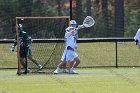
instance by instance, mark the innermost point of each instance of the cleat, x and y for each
(72, 71)
(39, 71)
(28, 70)
(39, 67)
(56, 71)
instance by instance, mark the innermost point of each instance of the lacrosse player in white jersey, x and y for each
(71, 37)
(69, 55)
(28, 41)
(137, 38)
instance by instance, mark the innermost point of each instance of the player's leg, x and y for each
(62, 64)
(64, 67)
(70, 65)
(70, 56)
(23, 60)
(33, 60)
(65, 62)
(59, 66)
(77, 62)
(23, 63)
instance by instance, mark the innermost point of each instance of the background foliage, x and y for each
(114, 18)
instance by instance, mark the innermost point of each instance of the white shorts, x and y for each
(70, 55)
(63, 58)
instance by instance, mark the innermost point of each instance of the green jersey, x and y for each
(23, 43)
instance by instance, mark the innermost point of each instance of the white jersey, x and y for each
(137, 36)
(71, 37)
(70, 40)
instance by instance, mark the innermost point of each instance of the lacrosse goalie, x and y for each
(69, 55)
(71, 36)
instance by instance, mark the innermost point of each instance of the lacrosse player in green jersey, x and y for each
(25, 42)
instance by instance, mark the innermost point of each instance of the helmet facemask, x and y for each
(73, 23)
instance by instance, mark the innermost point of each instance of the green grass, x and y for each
(91, 54)
(97, 80)
(7, 58)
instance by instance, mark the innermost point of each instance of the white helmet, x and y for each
(73, 23)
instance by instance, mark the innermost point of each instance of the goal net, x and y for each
(43, 31)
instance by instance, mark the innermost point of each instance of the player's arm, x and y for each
(29, 42)
(14, 45)
(81, 26)
(69, 32)
(25, 35)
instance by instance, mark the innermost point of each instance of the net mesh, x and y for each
(95, 53)
(48, 54)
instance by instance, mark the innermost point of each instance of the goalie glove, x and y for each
(12, 48)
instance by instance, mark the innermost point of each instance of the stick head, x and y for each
(89, 21)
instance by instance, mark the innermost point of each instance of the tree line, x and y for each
(114, 18)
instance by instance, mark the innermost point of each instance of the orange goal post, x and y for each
(42, 30)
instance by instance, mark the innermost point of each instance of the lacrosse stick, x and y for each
(88, 22)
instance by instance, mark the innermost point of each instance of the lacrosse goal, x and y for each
(43, 30)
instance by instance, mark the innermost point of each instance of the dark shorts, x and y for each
(23, 52)
(29, 52)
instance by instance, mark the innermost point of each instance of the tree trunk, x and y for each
(119, 18)
(59, 7)
(78, 11)
(25, 7)
(88, 7)
(105, 16)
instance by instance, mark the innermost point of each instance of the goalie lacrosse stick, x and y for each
(88, 22)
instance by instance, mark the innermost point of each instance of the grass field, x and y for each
(96, 80)
(91, 80)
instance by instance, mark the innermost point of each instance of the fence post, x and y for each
(116, 54)
(70, 9)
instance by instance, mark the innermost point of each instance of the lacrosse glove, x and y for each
(12, 48)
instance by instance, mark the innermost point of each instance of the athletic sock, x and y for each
(57, 68)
